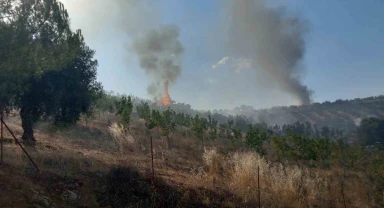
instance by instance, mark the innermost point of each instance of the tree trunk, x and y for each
(27, 124)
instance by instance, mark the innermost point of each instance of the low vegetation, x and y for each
(114, 166)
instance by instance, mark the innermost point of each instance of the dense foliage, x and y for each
(34, 38)
(371, 131)
(124, 109)
(46, 69)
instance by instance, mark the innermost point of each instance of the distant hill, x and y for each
(341, 114)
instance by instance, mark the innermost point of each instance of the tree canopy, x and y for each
(34, 37)
(61, 94)
(45, 68)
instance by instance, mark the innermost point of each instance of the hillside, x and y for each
(341, 114)
(85, 167)
(93, 165)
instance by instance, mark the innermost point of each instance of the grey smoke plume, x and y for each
(159, 53)
(273, 41)
(157, 47)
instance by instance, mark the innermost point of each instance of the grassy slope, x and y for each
(79, 167)
(83, 167)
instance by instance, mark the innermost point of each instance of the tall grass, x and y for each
(281, 185)
(285, 184)
(122, 138)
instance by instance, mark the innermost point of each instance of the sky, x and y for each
(343, 59)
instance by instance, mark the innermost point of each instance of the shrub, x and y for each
(214, 161)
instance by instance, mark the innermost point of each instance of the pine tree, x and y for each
(126, 111)
(255, 139)
(212, 124)
(168, 124)
(144, 111)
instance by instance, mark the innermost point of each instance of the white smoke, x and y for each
(357, 121)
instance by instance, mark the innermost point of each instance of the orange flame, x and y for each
(166, 99)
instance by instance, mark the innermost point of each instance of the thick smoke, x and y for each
(159, 53)
(156, 45)
(272, 40)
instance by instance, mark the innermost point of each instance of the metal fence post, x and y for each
(1, 139)
(17, 141)
(258, 186)
(153, 168)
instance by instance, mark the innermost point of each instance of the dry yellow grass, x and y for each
(98, 147)
(123, 139)
(287, 186)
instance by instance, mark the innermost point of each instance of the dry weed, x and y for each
(123, 139)
(210, 156)
(214, 162)
(292, 185)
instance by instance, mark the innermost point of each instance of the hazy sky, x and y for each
(344, 51)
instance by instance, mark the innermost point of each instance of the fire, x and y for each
(166, 101)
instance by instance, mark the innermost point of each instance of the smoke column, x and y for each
(156, 45)
(272, 40)
(159, 53)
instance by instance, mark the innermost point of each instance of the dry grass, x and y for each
(286, 186)
(190, 174)
(123, 139)
(215, 164)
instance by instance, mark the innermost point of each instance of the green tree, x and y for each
(232, 132)
(180, 120)
(187, 121)
(168, 124)
(199, 126)
(36, 42)
(255, 139)
(157, 119)
(371, 131)
(323, 150)
(237, 135)
(144, 111)
(35, 37)
(106, 102)
(126, 111)
(212, 126)
(229, 133)
(120, 105)
(213, 133)
(63, 94)
(222, 130)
